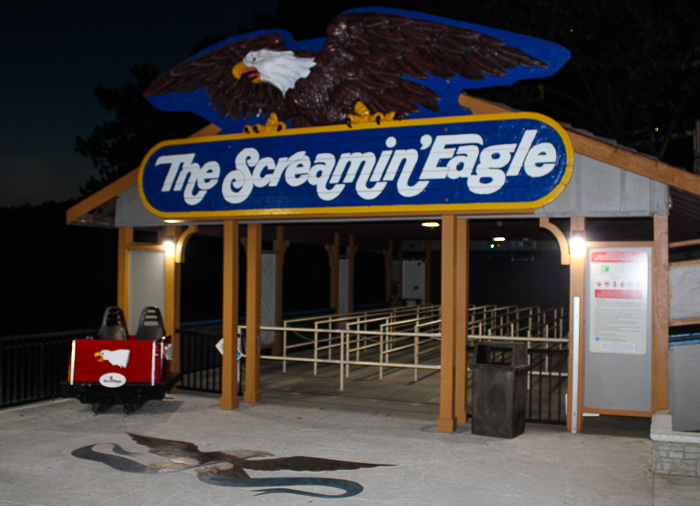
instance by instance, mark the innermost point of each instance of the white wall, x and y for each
(146, 284)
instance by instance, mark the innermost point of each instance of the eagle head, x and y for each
(282, 69)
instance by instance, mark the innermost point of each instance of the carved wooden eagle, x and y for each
(383, 60)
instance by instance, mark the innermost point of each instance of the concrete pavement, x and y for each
(608, 464)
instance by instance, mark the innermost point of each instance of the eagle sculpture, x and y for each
(375, 64)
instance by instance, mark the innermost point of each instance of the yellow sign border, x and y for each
(387, 210)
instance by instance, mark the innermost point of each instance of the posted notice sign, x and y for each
(618, 300)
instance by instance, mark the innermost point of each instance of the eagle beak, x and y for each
(240, 69)
(99, 356)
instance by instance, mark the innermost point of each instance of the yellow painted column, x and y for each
(229, 366)
(448, 421)
(461, 319)
(661, 315)
(252, 318)
(577, 288)
(171, 311)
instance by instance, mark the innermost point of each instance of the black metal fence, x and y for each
(32, 366)
(200, 361)
(547, 385)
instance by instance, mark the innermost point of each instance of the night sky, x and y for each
(55, 53)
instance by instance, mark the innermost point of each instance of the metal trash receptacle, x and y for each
(499, 379)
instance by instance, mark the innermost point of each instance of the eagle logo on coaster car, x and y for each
(118, 358)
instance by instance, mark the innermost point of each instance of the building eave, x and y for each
(606, 150)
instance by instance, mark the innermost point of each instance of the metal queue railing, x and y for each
(391, 331)
(409, 337)
(405, 338)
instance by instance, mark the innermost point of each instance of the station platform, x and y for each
(58, 453)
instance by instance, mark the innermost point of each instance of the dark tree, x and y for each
(633, 75)
(58, 277)
(117, 146)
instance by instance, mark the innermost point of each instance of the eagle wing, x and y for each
(170, 448)
(211, 71)
(368, 56)
(301, 464)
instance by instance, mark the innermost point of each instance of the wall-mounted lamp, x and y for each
(577, 243)
(169, 246)
(498, 239)
(430, 224)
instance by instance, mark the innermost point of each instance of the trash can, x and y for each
(499, 379)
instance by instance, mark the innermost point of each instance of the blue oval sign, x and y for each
(437, 165)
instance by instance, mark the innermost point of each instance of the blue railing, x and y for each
(32, 366)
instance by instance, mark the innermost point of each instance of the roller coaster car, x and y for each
(116, 368)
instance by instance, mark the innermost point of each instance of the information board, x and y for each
(618, 288)
(618, 312)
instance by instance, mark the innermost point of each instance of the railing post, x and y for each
(284, 348)
(342, 360)
(315, 347)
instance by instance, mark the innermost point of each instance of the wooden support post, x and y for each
(126, 237)
(229, 367)
(171, 309)
(461, 319)
(334, 263)
(350, 252)
(561, 240)
(577, 288)
(448, 421)
(399, 281)
(279, 247)
(660, 315)
(428, 268)
(388, 270)
(173, 284)
(252, 318)
(174, 322)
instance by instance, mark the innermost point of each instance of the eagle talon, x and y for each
(273, 125)
(362, 114)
